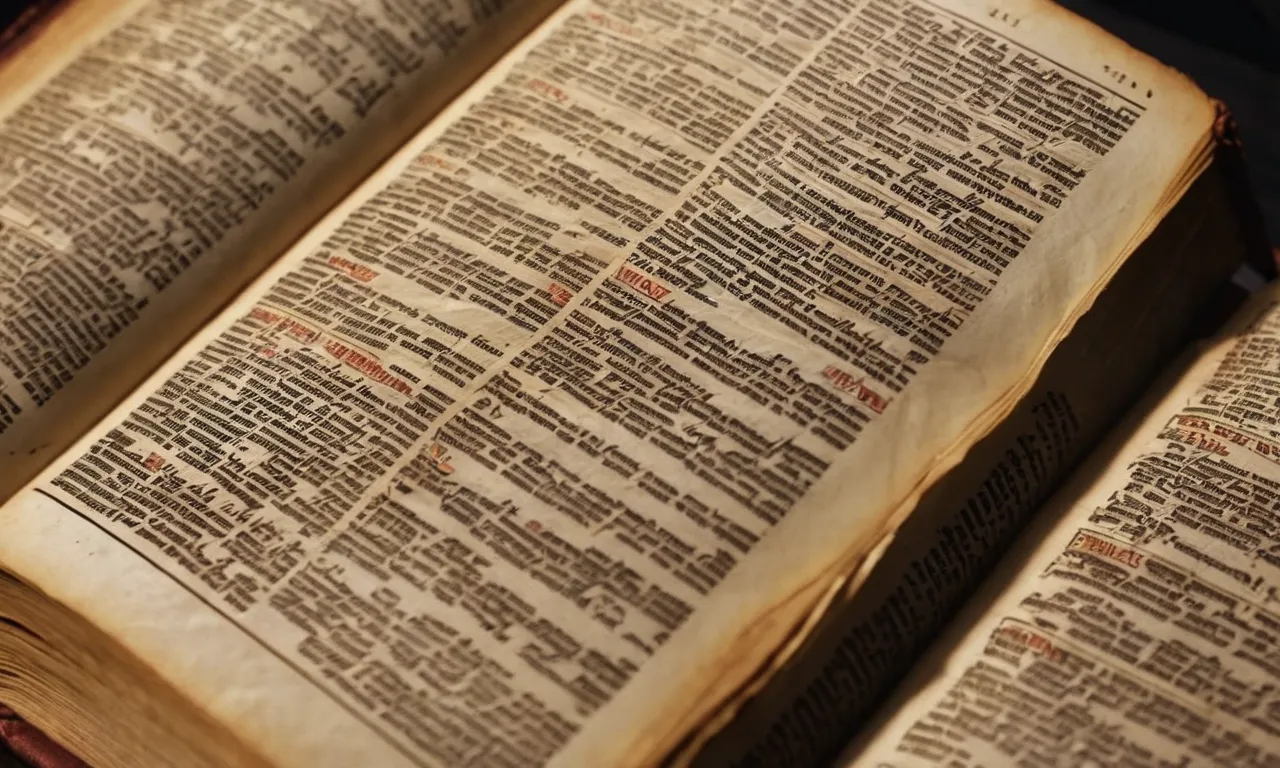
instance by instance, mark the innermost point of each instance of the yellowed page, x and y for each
(156, 156)
(612, 374)
(964, 524)
(1135, 625)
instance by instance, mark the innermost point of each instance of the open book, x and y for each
(436, 382)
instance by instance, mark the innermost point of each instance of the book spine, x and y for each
(1229, 154)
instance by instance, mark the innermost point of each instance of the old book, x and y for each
(430, 382)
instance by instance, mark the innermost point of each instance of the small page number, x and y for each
(1004, 18)
(1120, 78)
(1123, 78)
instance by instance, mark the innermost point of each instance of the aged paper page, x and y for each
(553, 434)
(151, 174)
(1137, 626)
(966, 522)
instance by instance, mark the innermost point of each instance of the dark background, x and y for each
(1230, 47)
